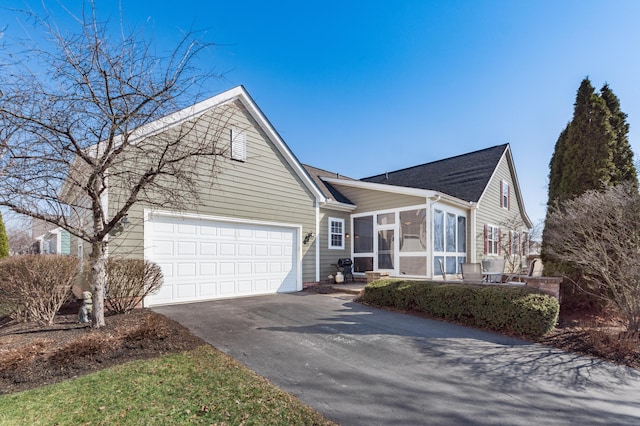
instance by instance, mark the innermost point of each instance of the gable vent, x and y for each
(238, 145)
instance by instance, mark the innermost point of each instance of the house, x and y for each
(50, 239)
(265, 223)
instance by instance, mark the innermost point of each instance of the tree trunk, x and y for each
(98, 262)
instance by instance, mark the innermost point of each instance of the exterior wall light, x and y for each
(307, 237)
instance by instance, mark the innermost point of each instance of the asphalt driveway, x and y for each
(364, 366)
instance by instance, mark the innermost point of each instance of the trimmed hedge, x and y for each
(520, 310)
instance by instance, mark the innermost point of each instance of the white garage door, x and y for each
(203, 260)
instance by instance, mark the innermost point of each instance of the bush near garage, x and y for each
(34, 287)
(129, 281)
(518, 310)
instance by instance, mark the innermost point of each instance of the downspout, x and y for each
(316, 241)
(472, 235)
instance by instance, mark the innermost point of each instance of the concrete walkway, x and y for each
(364, 366)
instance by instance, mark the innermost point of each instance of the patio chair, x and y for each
(471, 272)
(493, 270)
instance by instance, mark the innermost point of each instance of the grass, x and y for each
(201, 386)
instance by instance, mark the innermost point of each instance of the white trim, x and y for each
(403, 190)
(396, 227)
(150, 215)
(472, 234)
(497, 240)
(317, 243)
(330, 246)
(336, 205)
(504, 185)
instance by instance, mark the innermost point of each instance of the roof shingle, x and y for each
(464, 176)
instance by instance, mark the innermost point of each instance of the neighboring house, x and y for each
(265, 223)
(49, 238)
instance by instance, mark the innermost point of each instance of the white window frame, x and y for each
(515, 242)
(331, 245)
(493, 240)
(238, 145)
(504, 196)
(457, 253)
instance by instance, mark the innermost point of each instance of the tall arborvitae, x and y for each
(4, 241)
(592, 152)
(625, 170)
(587, 161)
(556, 166)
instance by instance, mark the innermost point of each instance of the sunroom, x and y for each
(425, 235)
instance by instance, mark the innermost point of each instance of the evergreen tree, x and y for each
(556, 165)
(592, 152)
(625, 170)
(4, 240)
(587, 162)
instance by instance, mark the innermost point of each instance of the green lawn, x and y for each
(201, 386)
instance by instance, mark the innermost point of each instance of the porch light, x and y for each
(347, 235)
(120, 226)
(307, 237)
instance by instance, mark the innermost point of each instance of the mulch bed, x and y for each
(32, 355)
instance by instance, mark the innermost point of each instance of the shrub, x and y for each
(519, 310)
(129, 281)
(34, 287)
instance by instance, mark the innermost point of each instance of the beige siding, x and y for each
(490, 212)
(368, 200)
(264, 188)
(330, 256)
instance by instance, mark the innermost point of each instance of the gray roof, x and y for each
(326, 188)
(464, 176)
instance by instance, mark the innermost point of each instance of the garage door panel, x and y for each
(187, 229)
(245, 249)
(227, 287)
(244, 268)
(275, 250)
(186, 290)
(208, 230)
(203, 260)
(186, 248)
(208, 249)
(207, 268)
(163, 248)
(208, 289)
(227, 268)
(227, 249)
(186, 270)
(261, 250)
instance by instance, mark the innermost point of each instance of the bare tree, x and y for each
(81, 113)
(598, 234)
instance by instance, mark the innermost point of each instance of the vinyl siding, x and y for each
(490, 212)
(264, 188)
(330, 256)
(65, 242)
(369, 200)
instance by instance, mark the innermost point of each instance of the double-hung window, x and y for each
(492, 240)
(336, 233)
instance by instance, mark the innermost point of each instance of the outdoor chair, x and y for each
(471, 272)
(493, 270)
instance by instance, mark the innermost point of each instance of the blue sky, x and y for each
(364, 87)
